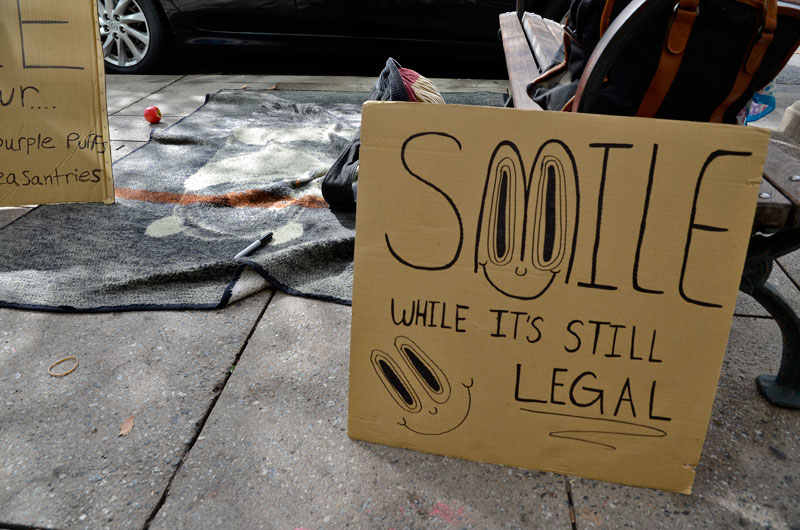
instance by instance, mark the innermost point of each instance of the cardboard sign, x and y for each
(547, 290)
(53, 120)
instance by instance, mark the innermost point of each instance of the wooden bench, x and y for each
(530, 43)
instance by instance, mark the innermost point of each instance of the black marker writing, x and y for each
(693, 225)
(16, 95)
(429, 314)
(600, 195)
(27, 47)
(91, 141)
(26, 144)
(440, 192)
(612, 340)
(553, 392)
(643, 225)
(527, 224)
(27, 177)
(515, 324)
(592, 429)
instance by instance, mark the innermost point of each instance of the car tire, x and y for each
(134, 35)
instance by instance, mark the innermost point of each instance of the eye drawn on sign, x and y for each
(429, 404)
(528, 224)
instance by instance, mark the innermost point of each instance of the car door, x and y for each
(240, 16)
(456, 20)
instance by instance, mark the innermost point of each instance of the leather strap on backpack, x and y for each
(752, 61)
(671, 56)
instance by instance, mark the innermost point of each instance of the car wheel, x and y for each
(134, 35)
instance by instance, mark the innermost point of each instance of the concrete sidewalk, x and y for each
(264, 445)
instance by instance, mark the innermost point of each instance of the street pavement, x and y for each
(240, 414)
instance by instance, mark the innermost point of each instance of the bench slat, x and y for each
(522, 68)
(556, 29)
(773, 209)
(543, 42)
(785, 143)
(778, 170)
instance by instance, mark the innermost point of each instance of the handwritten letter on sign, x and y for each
(547, 290)
(53, 121)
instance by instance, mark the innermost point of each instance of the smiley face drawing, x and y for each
(430, 406)
(528, 223)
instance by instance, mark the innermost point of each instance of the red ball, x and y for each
(152, 114)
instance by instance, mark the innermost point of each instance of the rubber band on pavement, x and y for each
(62, 374)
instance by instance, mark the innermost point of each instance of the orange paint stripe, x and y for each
(239, 199)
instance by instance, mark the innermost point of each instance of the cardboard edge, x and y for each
(685, 490)
(580, 116)
(108, 184)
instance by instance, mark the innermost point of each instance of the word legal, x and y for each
(583, 396)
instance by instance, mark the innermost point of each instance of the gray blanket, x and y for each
(188, 201)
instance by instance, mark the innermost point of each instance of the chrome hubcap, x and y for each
(123, 31)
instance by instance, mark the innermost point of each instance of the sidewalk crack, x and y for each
(14, 526)
(786, 272)
(181, 78)
(202, 423)
(572, 518)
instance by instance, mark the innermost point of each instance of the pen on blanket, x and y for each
(263, 240)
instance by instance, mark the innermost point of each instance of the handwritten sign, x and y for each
(547, 290)
(53, 119)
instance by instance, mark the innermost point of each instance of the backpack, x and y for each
(395, 83)
(698, 60)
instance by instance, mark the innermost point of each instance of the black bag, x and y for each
(340, 184)
(699, 60)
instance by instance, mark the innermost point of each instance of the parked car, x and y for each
(139, 35)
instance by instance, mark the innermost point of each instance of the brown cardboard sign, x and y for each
(546, 290)
(53, 120)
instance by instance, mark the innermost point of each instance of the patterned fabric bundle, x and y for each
(761, 104)
(395, 83)
(419, 89)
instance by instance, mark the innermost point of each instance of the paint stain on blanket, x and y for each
(166, 226)
(264, 155)
(286, 233)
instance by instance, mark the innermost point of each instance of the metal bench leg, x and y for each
(782, 389)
